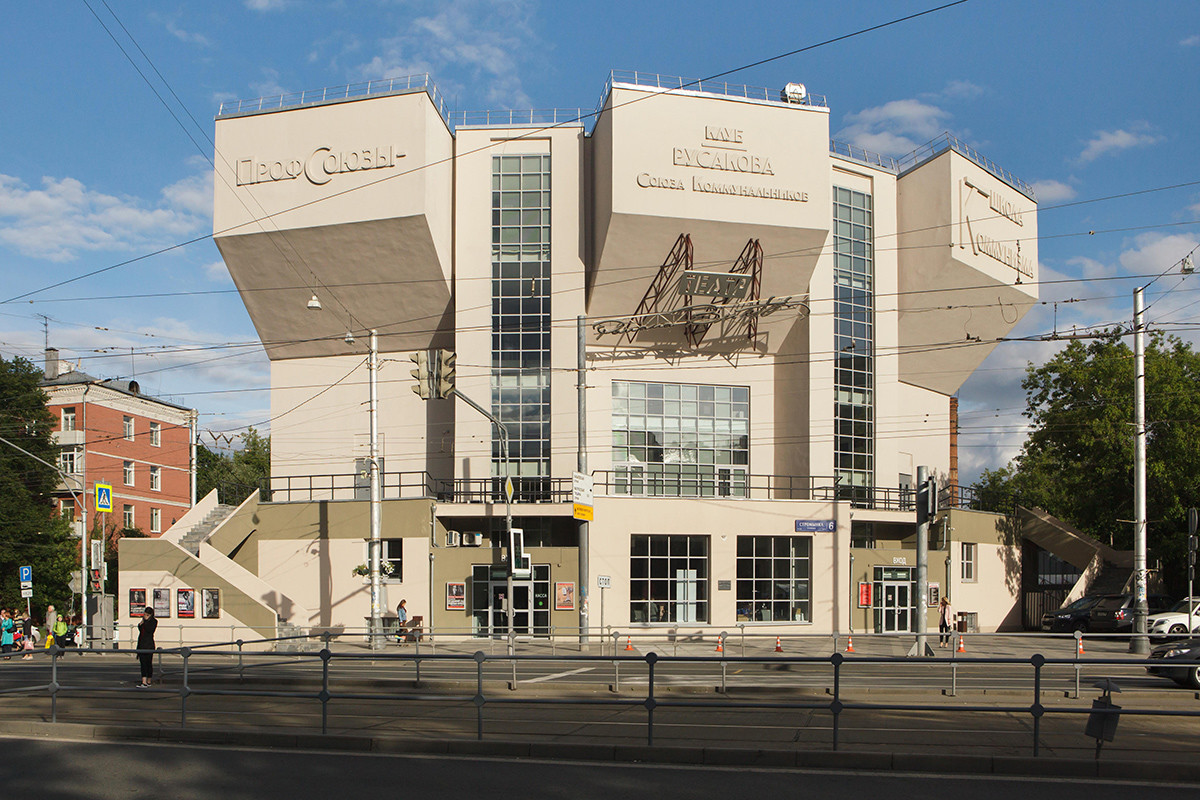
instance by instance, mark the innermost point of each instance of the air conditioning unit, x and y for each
(472, 539)
(452, 538)
(794, 93)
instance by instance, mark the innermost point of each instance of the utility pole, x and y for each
(376, 505)
(926, 509)
(581, 424)
(1139, 643)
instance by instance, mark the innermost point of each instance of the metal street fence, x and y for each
(328, 678)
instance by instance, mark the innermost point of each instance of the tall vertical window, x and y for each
(127, 471)
(680, 440)
(127, 516)
(156, 520)
(70, 460)
(668, 578)
(156, 478)
(156, 434)
(967, 570)
(521, 315)
(128, 426)
(68, 419)
(774, 578)
(392, 556)
(854, 341)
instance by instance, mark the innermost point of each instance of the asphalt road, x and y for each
(103, 771)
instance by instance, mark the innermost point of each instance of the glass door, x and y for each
(893, 600)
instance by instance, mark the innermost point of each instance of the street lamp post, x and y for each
(1139, 643)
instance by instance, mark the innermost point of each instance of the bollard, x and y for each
(323, 695)
(241, 664)
(183, 689)
(54, 650)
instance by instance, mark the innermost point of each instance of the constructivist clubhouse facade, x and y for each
(771, 328)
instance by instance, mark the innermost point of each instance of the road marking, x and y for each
(558, 675)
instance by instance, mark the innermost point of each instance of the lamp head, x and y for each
(314, 304)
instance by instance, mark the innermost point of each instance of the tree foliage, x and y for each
(237, 475)
(32, 533)
(1077, 462)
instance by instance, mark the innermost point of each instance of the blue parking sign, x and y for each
(26, 574)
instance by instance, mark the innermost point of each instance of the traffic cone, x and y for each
(1079, 648)
(961, 648)
(628, 643)
(849, 644)
(778, 645)
(720, 647)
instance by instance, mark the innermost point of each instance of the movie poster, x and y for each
(456, 596)
(137, 602)
(212, 603)
(185, 603)
(162, 603)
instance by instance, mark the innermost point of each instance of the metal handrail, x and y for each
(618, 483)
(863, 156)
(336, 94)
(514, 117)
(837, 704)
(718, 87)
(947, 141)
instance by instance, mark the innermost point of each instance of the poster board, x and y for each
(564, 596)
(162, 603)
(456, 596)
(137, 602)
(185, 603)
(211, 599)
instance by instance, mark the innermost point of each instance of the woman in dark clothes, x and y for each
(146, 642)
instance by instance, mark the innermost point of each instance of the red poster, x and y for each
(864, 595)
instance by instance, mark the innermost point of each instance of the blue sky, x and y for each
(1085, 100)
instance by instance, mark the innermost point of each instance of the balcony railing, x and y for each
(623, 483)
(947, 141)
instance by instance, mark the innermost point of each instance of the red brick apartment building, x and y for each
(110, 433)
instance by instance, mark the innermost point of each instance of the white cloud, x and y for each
(1191, 41)
(960, 89)
(64, 218)
(193, 194)
(466, 43)
(266, 5)
(187, 36)
(1105, 142)
(1153, 253)
(890, 128)
(216, 271)
(1051, 191)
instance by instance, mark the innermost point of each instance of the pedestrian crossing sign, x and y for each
(103, 497)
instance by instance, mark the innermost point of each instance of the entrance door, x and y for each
(893, 599)
(521, 607)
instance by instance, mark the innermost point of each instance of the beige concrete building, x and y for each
(772, 326)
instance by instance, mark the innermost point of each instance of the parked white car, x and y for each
(1175, 621)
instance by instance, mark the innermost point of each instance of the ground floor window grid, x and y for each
(668, 578)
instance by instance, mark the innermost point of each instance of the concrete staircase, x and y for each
(1112, 579)
(191, 540)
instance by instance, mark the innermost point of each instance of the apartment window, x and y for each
(127, 469)
(156, 520)
(68, 419)
(854, 342)
(774, 575)
(68, 510)
(128, 422)
(127, 515)
(70, 460)
(521, 298)
(156, 434)
(967, 571)
(156, 478)
(680, 439)
(668, 578)
(392, 555)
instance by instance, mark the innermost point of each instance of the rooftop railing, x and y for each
(352, 91)
(863, 156)
(948, 141)
(654, 80)
(513, 117)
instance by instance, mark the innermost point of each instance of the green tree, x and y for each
(1077, 462)
(236, 475)
(31, 531)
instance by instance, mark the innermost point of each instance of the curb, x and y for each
(940, 763)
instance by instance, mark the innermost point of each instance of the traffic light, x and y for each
(445, 373)
(927, 497)
(94, 577)
(421, 373)
(1192, 520)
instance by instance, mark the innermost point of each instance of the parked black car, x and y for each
(1168, 657)
(1075, 617)
(1115, 614)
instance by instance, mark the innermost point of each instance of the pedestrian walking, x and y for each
(27, 640)
(51, 621)
(401, 620)
(145, 644)
(945, 622)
